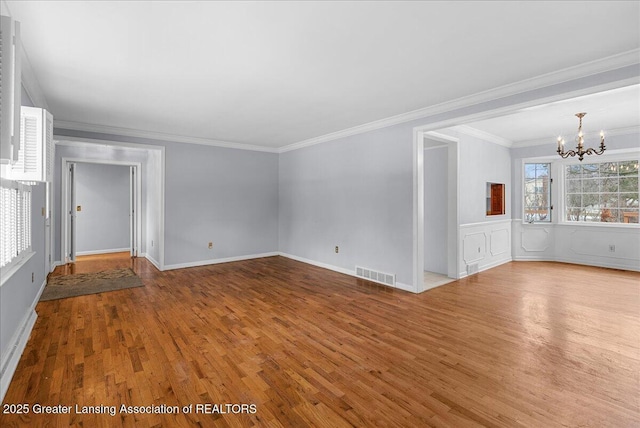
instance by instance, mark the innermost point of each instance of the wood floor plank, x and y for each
(521, 345)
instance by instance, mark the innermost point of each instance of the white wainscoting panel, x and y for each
(474, 247)
(486, 244)
(613, 246)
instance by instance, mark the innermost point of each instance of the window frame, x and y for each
(626, 157)
(551, 163)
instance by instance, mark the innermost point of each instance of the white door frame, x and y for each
(453, 202)
(431, 130)
(67, 240)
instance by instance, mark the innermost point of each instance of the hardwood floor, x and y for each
(526, 344)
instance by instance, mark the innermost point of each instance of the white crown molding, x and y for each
(136, 133)
(588, 135)
(482, 135)
(576, 72)
(580, 71)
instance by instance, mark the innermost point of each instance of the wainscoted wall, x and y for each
(610, 246)
(484, 245)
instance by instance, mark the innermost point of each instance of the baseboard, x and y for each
(318, 264)
(216, 261)
(152, 260)
(95, 252)
(601, 263)
(17, 344)
(344, 271)
(55, 265)
(406, 287)
(497, 263)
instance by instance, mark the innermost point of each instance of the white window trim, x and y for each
(557, 188)
(561, 171)
(552, 196)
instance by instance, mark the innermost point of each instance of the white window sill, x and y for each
(600, 224)
(14, 266)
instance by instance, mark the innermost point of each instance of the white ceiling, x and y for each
(277, 73)
(614, 111)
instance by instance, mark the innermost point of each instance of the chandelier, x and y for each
(580, 151)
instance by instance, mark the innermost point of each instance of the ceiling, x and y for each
(613, 111)
(277, 73)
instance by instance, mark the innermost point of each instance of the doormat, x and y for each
(61, 287)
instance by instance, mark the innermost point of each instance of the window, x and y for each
(602, 192)
(537, 192)
(15, 218)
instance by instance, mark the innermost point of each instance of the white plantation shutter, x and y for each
(49, 147)
(35, 159)
(15, 221)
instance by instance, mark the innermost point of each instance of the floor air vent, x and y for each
(375, 276)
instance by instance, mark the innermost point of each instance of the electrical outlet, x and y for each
(152, 242)
(337, 249)
(612, 248)
(210, 245)
(33, 277)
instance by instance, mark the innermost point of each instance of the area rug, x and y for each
(61, 287)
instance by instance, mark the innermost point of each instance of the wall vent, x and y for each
(472, 268)
(375, 276)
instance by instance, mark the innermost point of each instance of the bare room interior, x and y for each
(334, 214)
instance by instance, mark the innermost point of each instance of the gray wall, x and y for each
(101, 153)
(225, 196)
(481, 162)
(212, 194)
(435, 209)
(103, 193)
(18, 294)
(356, 193)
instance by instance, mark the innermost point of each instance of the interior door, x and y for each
(71, 217)
(133, 224)
(47, 229)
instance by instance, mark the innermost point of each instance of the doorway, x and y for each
(436, 214)
(103, 230)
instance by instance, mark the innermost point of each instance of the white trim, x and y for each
(319, 264)
(17, 343)
(151, 260)
(484, 223)
(160, 136)
(344, 271)
(497, 263)
(453, 204)
(55, 264)
(15, 265)
(482, 135)
(89, 142)
(95, 252)
(572, 73)
(217, 261)
(407, 287)
(594, 135)
(601, 263)
(64, 250)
